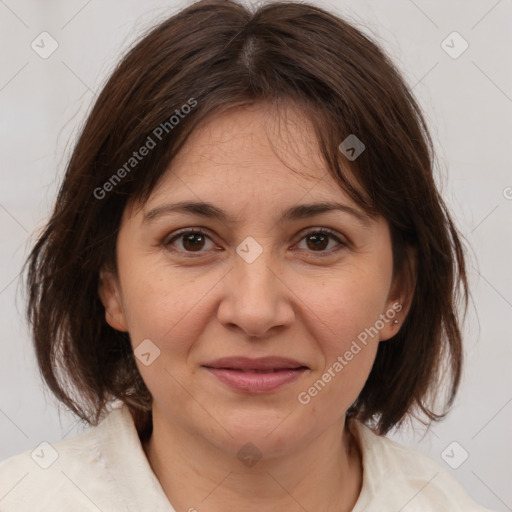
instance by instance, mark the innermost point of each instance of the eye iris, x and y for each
(188, 241)
(320, 241)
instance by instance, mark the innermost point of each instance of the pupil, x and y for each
(317, 239)
(188, 242)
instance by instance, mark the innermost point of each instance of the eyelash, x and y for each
(193, 254)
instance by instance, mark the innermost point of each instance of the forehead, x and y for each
(255, 138)
(255, 150)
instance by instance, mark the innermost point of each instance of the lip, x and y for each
(252, 382)
(260, 363)
(260, 375)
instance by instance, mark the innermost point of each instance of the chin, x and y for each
(273, 435)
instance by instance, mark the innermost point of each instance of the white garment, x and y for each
(106, 469)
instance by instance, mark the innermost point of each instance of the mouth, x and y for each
(261, 375)
(263, 364)
(256, 370)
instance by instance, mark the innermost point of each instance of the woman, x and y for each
(249, 277)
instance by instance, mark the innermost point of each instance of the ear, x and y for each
(109, 292)
(400, 297)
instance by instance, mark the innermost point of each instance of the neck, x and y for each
(322, 474)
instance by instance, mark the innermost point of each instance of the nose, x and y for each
(256, 300)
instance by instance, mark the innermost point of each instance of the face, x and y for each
(314, 288)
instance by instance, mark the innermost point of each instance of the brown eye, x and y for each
(191, 241)
(318, 241)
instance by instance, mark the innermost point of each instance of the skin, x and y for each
(291, 301)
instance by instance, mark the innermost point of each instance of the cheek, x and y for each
(343, 316)
(348, 347)
(166, 306)
(345, 304)
(171, 313)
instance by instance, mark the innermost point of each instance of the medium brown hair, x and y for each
(222, 55)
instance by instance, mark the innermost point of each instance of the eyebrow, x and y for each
(208, 210)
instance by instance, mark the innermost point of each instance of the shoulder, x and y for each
(404, 479)
(65, 475)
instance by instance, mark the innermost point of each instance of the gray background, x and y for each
(468, 103)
